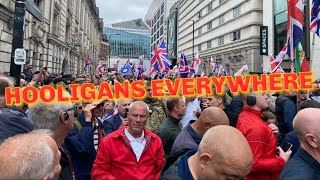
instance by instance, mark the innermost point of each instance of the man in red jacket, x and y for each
(131, 152)
(267, 165)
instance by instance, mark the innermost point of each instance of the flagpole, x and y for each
(312, 49)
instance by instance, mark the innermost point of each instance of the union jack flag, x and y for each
(315, 16)
(153, 72)
(294, 25)
(159, 58)
(140, 67)
(184, 68)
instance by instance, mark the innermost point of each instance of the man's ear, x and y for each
(204, 160)
(62, 117)
(312, 140)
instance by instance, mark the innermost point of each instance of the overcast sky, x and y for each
(113, 11)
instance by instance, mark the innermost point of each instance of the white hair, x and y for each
(47, 116)
(33, 159)
(139, 102)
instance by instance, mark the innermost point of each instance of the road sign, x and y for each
(20, 56)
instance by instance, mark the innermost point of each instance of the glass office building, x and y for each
(130, 39)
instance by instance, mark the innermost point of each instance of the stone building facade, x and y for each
(226, 30)
(70, 32)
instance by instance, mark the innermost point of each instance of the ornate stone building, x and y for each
(71, 31)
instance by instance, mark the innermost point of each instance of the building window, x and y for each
(158, 14)
(200, 14)
(209, 25)
(222, 1)
(235, 35)
(162, 8)
(237, 11)
(37, 2)
(210, 7)
(200, 31)
(161, 20)
(221, 40)
(161, 31)
(199, 48)
(208, 44)
(221, 19)
(219, 60)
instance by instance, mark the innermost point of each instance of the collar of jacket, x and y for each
(303, 154)
(173, 119)
(147, 134)
(258, 113)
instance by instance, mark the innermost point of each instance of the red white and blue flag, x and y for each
(184, 68)
(141, 70)
(213, 65)
(195, 64)
(127, 63)
(315, 17)
(160, 59)
(294, 25)
(110, 114)
(87, 63)
(153, 72)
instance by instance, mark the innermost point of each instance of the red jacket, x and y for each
(116, 159)
(267, 165)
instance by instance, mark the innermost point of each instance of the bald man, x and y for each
(30, 156)
(305, 164)
(190, 137)
(227, 158)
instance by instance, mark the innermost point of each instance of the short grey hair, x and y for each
(47, 116)
(33, 158)
(139, 103)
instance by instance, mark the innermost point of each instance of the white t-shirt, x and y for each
(136, 144)
(191, 106)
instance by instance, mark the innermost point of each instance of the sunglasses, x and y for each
(80, 107)
(73, 108)
(303, 92)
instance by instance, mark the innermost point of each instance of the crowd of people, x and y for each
(259, 135)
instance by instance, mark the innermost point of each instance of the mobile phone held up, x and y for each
(126, 112)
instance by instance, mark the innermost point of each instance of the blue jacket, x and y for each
(112, 124)
(292, 138)
(301, 166)
(188, 139)
(13, 122)
(81, 148)
(179, 169)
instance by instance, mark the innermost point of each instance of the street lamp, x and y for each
(192, 38)
(110, 45)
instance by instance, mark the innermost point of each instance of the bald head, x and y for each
(306, 124)
(139, 103)
(211, 116)
(229, 153)
(23, 157)
(216, 115)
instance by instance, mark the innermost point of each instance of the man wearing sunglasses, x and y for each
(83, 140)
